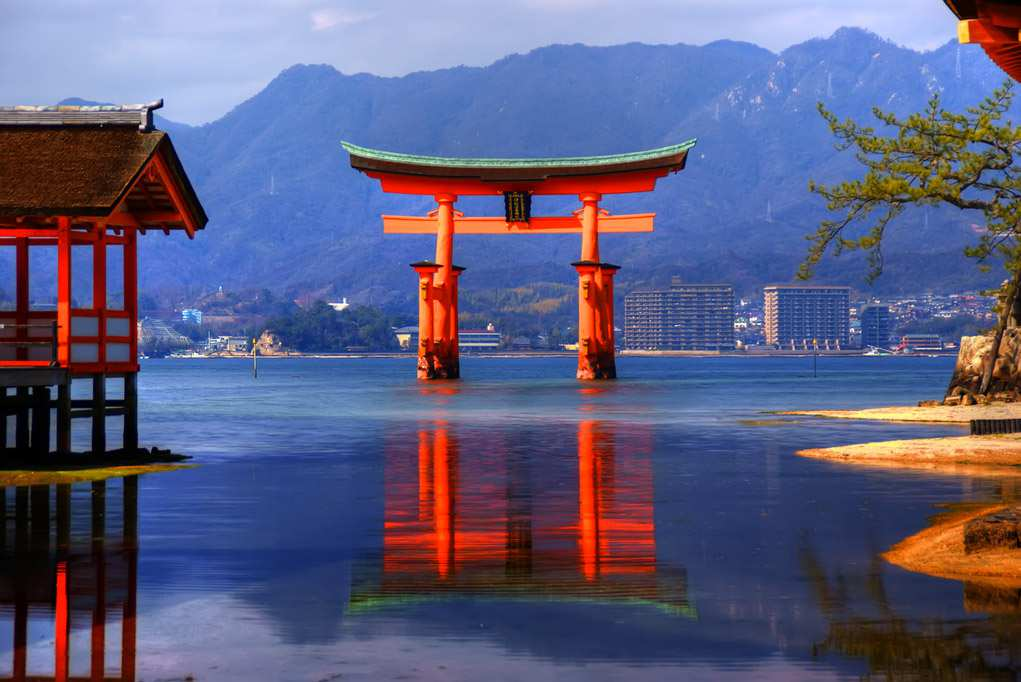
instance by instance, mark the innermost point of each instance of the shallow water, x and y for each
(346, 522)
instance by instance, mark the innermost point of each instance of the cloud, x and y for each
(330, 18)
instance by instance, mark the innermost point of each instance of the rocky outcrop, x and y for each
(973, 358)
(999, 530)
(270, 344)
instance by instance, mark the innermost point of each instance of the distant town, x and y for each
(683, 317)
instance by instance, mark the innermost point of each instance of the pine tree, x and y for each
(934, 157)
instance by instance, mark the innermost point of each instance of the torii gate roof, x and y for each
(506, 173)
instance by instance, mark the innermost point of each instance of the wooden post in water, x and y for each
(131, 413)
(40, 422)
(21, 441)
(98, 415)
(64, 417)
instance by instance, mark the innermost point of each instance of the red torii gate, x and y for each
(518, 180)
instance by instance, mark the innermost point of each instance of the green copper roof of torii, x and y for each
(554, 162)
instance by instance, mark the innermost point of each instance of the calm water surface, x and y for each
(345, 522)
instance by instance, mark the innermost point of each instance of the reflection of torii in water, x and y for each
(96, 574)
(459, 524)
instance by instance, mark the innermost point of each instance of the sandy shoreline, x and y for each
(937, 414)
(939, 551)
(961, 455)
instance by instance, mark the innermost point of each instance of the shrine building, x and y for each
(78, 185)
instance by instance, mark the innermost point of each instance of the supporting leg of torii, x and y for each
(596, 351)
(438, 351)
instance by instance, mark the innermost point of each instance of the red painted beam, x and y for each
(643, 181)
(639, 222)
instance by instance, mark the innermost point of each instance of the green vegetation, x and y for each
(970, 161)
(949, 328)
(545, 308)
(321, 329)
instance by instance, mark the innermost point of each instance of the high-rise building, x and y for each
(192, 315)
(876, 325)
(683, 317)
(806, 316)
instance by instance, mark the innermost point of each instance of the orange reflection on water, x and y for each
(77, 579)
(465, 514)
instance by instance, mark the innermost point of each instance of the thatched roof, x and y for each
(86, 163)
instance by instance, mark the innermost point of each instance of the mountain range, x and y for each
(288, 214)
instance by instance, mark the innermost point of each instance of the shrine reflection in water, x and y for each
(467, 517)
(70, 563)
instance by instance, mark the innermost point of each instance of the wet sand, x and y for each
(22, 477)
(961, 455)
(939, 551)
(937, 414)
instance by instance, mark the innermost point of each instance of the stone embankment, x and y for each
(974, 357)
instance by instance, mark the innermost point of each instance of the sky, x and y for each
(206, 56)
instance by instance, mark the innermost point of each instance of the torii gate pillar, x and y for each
(596, 347)
(438, 345)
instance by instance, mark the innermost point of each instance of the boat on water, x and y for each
(186, 355)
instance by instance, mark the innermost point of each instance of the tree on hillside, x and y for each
(934, 157)
(320, 328)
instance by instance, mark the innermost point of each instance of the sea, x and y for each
(339, 520)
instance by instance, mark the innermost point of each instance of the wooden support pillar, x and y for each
(40, 422)
(590, 226)
(63, 291)
(595, 313)
(131, 413)
(98, 415)
(587, 300)
(606, 353)
(426, 271)
(131, 287)
(446, 364)
(3, 421)
(21, 425)
(99, 287)
(22, 293)
(64, 418)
